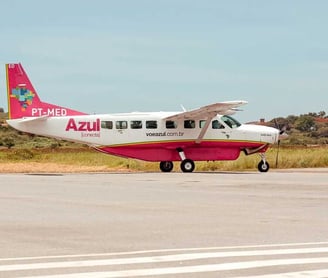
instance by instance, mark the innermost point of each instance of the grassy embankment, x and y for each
(87, 160)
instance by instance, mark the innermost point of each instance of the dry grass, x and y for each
(289, 157)
(41, 167)
(86, 160)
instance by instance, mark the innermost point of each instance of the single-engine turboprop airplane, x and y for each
(203, 134)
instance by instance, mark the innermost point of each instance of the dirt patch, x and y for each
(38, 167)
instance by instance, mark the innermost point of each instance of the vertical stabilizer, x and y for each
(23, 100)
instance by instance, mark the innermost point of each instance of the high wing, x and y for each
(207, 113)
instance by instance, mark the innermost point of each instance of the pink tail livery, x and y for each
(23, 101)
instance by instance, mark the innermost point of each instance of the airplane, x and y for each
(208, 133)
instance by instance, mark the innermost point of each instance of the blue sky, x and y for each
(122, 56)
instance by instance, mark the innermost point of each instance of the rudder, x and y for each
(23, 101)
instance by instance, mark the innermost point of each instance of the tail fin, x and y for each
(23, 101)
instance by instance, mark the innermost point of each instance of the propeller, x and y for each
(282, 135)
(277, 154)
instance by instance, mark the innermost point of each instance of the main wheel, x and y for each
(263, 166)
(187, 165)
(166, 166)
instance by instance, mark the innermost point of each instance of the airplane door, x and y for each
(226, 133)
(222, 131)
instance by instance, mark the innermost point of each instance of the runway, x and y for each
(244, 224)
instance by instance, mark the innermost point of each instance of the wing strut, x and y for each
(209, 112)
(204, 129)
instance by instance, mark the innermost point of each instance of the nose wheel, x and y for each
(263, 166)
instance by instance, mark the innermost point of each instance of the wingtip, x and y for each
(236, 102)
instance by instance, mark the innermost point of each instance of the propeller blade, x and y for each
(277, 155)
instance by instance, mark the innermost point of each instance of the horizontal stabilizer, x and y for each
(37, 119)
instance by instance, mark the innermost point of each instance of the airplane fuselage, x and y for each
(148, 136)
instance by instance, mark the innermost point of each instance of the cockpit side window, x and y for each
(217, 125)
(231, 122)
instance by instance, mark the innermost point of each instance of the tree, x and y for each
(292, 119)
(322, 114)
(305, 123)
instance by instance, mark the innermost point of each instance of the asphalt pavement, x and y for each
(223, 224)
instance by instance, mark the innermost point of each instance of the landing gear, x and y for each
(263, 166)
(166, 166)
(187, 165)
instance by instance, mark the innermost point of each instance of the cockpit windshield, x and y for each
(231, 122)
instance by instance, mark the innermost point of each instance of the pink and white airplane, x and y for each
(203, 134)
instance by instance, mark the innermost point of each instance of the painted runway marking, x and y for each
(163, 251)
(161, 259)
(311, 259)
(192, 269)
(323, 273)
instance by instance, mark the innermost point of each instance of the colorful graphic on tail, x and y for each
(24, 96)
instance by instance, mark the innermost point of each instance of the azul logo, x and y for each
(83, 125)
(24, 96)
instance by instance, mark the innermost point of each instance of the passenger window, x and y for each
(202, 123)
(151, 124)
(171, 124)
(121, 124)
(217, 125)
(136, 124)
(107, 124)
(189, 124)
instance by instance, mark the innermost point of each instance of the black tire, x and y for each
(166, 166)
(187, 166)
(263, 166)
